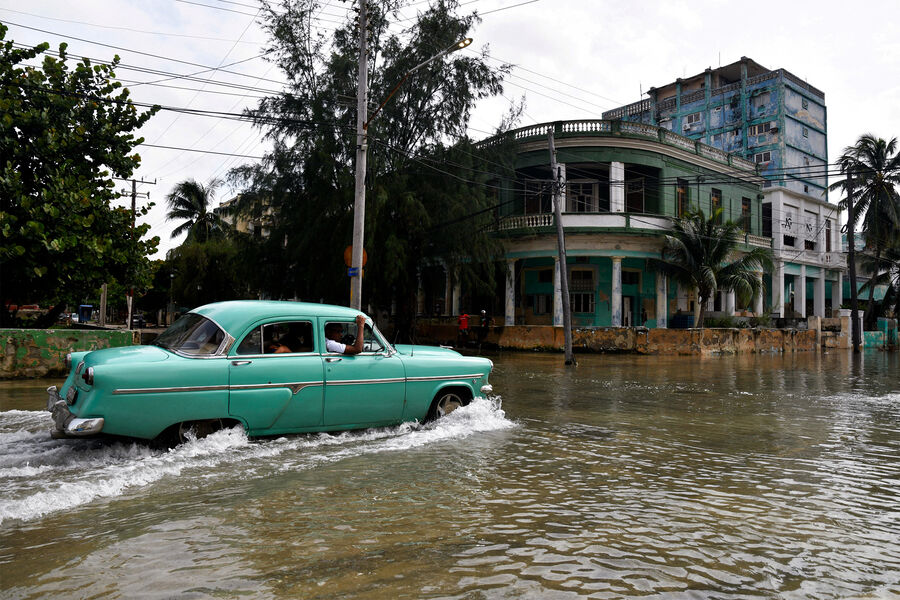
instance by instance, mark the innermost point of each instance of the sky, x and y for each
(573, 59)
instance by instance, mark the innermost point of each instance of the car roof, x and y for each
(235, 315)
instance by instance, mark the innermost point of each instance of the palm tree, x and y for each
(872, 173)
(702, 254)
(190, 201)
(885, 272)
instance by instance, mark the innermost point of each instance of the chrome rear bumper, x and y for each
(67, 424)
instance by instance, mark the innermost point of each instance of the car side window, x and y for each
(285, 337)
(370, 342)
(344, 331)
(252, 343)
(347, 332)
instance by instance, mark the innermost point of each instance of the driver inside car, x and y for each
(333, 332)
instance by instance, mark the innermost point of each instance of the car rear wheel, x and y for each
(447, 401)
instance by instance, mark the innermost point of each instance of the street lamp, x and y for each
(362, 125)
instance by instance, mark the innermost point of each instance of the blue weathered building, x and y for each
(778, 121)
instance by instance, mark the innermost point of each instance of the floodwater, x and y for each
(675, 477)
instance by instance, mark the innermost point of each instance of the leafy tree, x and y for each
(65, 134)
(206, 272)
(303, 191)
(703, 254)
(191, 203)
(872, 173)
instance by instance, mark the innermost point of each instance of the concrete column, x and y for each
(616, 296)
(777, 230)
(729, 304)
(681, 299)
(456, 293)
(758, 305)
(662, 304)
(819, 295)
(557, 294)
(800, 292)
(837, 293)
(616, 187)
(778, 287)
(448, 292)
(509, 314)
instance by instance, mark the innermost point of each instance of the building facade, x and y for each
(623, 183)
(779, 122)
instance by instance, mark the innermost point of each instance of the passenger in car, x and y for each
(276, 347)
(333, 333)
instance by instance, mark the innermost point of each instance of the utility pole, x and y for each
(359, 196)
(129, 299)
(559, 188)
(851, 265)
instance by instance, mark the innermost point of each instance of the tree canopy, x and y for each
(65, 135)
(427, 198)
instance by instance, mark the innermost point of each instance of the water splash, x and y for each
(40, 476)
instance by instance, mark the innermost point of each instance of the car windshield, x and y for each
(191, 334)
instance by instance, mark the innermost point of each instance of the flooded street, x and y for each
(675, 477)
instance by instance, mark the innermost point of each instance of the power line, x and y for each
(216, 152)
(150, 54)
(496, 10)
(131, 29)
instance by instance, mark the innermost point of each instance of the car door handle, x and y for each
(238, 363)
(334, 359)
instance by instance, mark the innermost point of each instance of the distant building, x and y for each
(778, 121)
(241, 223)
(624, 183)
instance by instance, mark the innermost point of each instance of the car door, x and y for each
(277, 390)
(363, 389)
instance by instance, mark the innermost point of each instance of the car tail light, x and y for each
(88, 376)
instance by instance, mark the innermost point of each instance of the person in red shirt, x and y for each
(463, 336)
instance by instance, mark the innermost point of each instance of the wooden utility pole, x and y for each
(851, 266)
(559, 191)
(129, 299)
(359, 196)
(103, 290)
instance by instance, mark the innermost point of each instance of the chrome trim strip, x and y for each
(446, 377)
(165, 390)
(295, 386)
(362, 381)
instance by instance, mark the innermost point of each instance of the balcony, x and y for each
(587, 221)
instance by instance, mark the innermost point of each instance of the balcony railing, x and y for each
(612, 128)
(758, 240)
(525, 222)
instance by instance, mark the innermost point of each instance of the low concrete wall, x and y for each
(639, 340)
(42, 352)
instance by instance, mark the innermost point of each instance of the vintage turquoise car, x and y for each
(262, 365)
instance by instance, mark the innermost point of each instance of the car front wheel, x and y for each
(446, 402)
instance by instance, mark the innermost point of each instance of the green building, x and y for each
(623, 182)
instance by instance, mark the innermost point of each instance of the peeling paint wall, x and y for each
(26, 353)
(636, 340)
